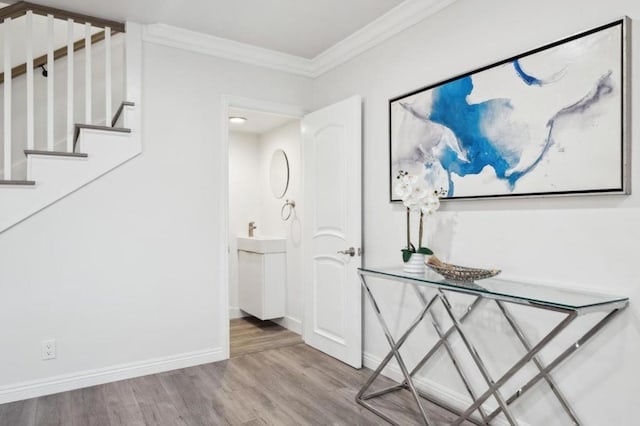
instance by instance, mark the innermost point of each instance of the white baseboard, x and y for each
(457, 400)
(235, 312)
(290, 323)
(67, 382)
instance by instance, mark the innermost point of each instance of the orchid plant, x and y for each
(416, 197)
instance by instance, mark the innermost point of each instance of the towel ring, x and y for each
(284, 214)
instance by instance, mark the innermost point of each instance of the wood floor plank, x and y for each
(53, 410)
(249, 335)
(19, 413)
(190, 404)
(155, 405)
(289, 385)
(122, 407)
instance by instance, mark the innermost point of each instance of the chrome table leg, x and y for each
(550, 381)
(450, 352)
(544, 372)
(444, 338)
(394, 353)
(479, 363)
(516, 367)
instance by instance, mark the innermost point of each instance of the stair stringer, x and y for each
(57, 177)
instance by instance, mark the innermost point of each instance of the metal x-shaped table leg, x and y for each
(478, 361)
(611, 309)
(546, 370)
(394, 353)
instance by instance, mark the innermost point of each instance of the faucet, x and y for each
(252, 226)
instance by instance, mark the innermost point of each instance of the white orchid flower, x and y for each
(430, 204)
(403, 190)
(417, 197)
(411, 203)
(420, 190)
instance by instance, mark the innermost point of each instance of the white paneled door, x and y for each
(332, 148)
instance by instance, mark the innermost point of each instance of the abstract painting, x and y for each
(550, 121)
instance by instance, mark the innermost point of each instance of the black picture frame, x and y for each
(411, 118)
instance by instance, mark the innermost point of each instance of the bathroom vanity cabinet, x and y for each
(262, 276)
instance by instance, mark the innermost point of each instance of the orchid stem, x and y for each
(408, 229)
(420, 231)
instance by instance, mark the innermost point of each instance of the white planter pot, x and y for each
(415, 265)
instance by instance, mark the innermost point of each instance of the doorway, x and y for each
(326, 232)
(265, 308)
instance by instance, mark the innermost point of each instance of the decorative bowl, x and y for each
(459, 273)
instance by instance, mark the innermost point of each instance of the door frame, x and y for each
(233, 101)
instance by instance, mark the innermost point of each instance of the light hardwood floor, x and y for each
(249, 334)
(290, 385)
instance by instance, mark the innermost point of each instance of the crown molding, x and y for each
(403, 16)
(193, 41)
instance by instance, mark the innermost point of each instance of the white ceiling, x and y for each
(303, 28)
(257, 122)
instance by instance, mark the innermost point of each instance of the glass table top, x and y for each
(534, 294)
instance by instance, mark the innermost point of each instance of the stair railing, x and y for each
(7, 15)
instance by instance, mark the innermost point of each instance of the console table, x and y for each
(571, 303)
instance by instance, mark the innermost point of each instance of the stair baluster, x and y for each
(87, 74)
(50, 82)
(70, 86)
(107, 76)
(30, 92)
(7, 98)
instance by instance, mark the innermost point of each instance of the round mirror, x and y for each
(279, 173)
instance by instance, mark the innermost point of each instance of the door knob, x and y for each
(350, 251)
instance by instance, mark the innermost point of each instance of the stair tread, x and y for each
(118, 113)
(18, 182)
(99, 127)
(96, 127)
(55, 153)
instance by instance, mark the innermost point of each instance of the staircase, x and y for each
(71, 104)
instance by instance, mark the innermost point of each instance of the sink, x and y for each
(262, 244)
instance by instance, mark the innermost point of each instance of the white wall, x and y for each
(589, 242)
(287, 138)
(244, 201)
(126, 271)
(251, 199)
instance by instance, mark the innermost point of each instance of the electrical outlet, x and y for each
(49, 349)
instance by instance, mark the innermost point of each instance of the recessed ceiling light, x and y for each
(237, 120)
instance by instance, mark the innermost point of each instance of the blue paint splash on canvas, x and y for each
(604, 86)
(528, 79)
(451, 108)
